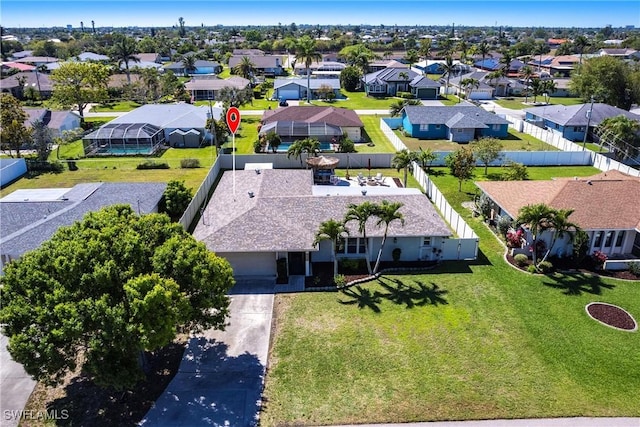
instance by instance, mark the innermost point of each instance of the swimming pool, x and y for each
(116, 151)
(283, 147)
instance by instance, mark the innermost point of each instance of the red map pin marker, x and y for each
(233, 119)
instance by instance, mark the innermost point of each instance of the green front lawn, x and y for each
(516, 141)
(357, 101)
(517, 103)
(121, 106)
(470, 340)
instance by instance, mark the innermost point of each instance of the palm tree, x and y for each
(396, 107)
(537, 218)
(448, 68)
(469, 83)
(403, 160)
(506, 60)
(307, 53)
(310, 146)
(483, 49)
(361, 214)
(360, 57)
(536, 88)
(39, 69)
(526, 73)
(93, 26)
(245, 68)
(189, 64)
(124, 51)
(426, 157)
(548, 87)
(561, 225)
(334, 231)
(463, 48)
(387, 212)
(580, 43)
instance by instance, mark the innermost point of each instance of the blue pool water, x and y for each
(127, 151)
(282, 148)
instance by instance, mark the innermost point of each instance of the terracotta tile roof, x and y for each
(331, 115)
(609, 200)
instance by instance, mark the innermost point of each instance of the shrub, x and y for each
(515, 172)
(44, 166)
(634, 268)
(150, 164)
(514, 238)
(340, 280)
(189, 163)
(599, 258)
(532, 269)
(545, 267)
(347, 146)
(349, 265)
(395, 254)
(258, 146)
(521, 259)
(503, 225)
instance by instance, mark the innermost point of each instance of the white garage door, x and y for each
(252, 264)
(480, 95)
(288, 94)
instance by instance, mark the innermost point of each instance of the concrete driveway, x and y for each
(221, 376)
(16, 386)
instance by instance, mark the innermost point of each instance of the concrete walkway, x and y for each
(542, 422)
(221, 376)
(16, 386)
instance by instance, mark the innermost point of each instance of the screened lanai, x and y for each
(290, 131)
(123, 138)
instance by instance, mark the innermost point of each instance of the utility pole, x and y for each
(586, 131)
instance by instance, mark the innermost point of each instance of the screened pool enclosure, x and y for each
(123, 139)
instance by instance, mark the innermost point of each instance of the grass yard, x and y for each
(516, 141)
(375, 135)
(121, 106)
(517, 103)
(357, 101)
(475, 340)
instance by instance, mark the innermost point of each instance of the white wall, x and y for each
(11, 169)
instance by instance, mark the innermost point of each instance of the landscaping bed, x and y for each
(612, 315)
(323, 272)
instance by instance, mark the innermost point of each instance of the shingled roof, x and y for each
(576, 115)
(330, 115)
(443, 114)
(605, 201)
(283, 212)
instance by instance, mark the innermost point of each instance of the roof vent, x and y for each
(251, 195)
(257, 171)
(364, 192)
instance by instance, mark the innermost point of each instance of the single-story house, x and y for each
(626, 54)
(494, 64)
(37, 60)
(21, 54)
(260, 224)
(605, 206)
(6, 66)
(147, 127)
(555, 65)
(204, 89)
(436, 66)
(571, 120)
(297, 88)
(487, 88)
(38, 81)
(141, 65)
(382, 64)
(322, 68)
(422, 87)
(322, 123)
(56, 121)
(459, 123)
(149, 57)
(389, 81)
(201, 67)
(268, 65)
(91, 56)
(29, 217)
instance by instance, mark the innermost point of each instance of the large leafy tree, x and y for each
(608, 79)
(403, 160)
(42, 139)
(361, 214)
(621, 134)
(106, 290)
(124, 52)
(333, 231)
(79, 83)
(349, 78)
(386, 212)
(487, 150)
(537, 217)
(307, 53)
(176, 199)
(233, 97)
(13, 132)
(461, 163)
(359, 56)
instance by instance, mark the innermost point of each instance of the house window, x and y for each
(620, 238)
(608, 239)
(438, 126)
(597, 239)
(424, 127)
(460, 130)
(354, 245)
(496, 127)
(426, 241)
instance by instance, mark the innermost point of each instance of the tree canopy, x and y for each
(106, 289)
(13, 132)
(487, 150)
(462, 164)
(608, 80)
(79, 83)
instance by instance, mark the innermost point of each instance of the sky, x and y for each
(165, 13)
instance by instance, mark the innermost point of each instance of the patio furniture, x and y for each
(379, 178)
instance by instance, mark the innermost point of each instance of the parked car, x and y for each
(283, 103)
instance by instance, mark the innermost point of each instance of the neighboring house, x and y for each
(201, 67)
(6, 66)
(30, 217)
(384, 64)
(178, 125)
(322, 123)
(33, 79)
(556, 66)
(37, 60)
(605, 206)
(140, 64)
(325, 69)
(571, 120)
(555, 43)
(21, 54)
(422, 87)
(247, 52)
(624, 54)
(275, 214)
(563, 89)
(56, 121)
(389, 81)
(208, 88)
(268, 65)
(297, 88)
(118, 81)
(11, 170)
(461, 123)
(486, 87)
(437, 67)
(494, 64)
(149, 57)
(90, 56)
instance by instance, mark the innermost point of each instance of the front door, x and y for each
(296, 264)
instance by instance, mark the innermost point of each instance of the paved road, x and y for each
(16, 386)
(220, 379)
(542, 422)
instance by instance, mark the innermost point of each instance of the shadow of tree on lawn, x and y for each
(577, 284)
(415, 295)
(363, 298)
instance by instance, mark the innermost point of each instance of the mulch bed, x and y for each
(612, 316)
(398, 182)
(323, 272)
(568, 265)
